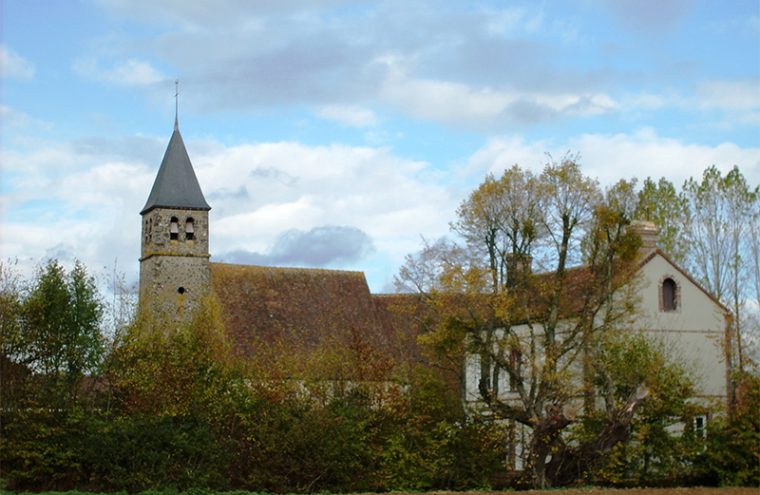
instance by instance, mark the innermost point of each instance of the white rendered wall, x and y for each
(694, 332)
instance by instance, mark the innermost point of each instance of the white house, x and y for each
(673, 310)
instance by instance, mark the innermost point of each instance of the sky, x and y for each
(339, 134)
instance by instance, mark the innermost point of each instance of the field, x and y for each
(626, 491)
(574, 491)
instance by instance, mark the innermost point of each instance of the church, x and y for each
(308, 309)
(332, 309)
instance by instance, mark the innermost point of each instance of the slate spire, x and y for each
(176, 185)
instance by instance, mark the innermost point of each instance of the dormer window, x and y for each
(174, 229)
(669, 295)
(189, 229)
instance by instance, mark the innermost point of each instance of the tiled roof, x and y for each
(295, 320)
(274, 313)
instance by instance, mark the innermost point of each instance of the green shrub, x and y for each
(732, 456)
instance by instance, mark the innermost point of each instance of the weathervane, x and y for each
(176, 104)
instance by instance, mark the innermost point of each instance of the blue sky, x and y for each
(337, 133)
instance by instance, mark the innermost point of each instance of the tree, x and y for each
(58, 335)
(13, 375)
(754, 270)
(50, 341)
(721, 212)
(662, 204)
(643, 448)
(732, 456)
(524, 329)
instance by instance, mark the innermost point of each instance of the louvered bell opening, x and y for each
(174, 229)
(189, 229)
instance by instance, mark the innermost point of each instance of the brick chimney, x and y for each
(519, 267)
(649, 234)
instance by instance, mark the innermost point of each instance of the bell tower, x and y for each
(174, 260)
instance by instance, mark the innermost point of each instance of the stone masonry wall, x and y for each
(174, 274)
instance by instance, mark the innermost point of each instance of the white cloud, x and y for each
(462, 104)
(68, 198)
(350, 115)
(510, 21)
(502, 152)
(644, 153)
(11, 118)
(83, 200)
(610, 157)
(131, 72)
(258, 191)
(13, 65)
(638, 102)
(739, 99)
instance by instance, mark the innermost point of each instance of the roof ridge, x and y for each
(291, 269)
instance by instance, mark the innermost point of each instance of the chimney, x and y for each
(648, 232)
(518, 268)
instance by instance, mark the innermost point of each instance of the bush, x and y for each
(732, 456)
(143, 452)
(41, 449)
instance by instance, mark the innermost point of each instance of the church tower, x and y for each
(174, 261)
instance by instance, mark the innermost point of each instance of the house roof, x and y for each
(176, 185)
(270, 312)
(275, 314)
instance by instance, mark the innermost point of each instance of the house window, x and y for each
(189, 230)
(700, 425)
(174, 229)
(669, 295)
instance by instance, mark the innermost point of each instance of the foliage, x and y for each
(723, 210)
(661, 203)
(44, 449)
(732, 454)
(146, 451)
(434, 445)
(173, 408)
(492, 306)
(13, 375)
(172, 367)
(52, 330)
(712, 226)
(654, 451)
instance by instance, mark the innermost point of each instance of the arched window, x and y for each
(189, 230)
(669, 295)
(174, 229)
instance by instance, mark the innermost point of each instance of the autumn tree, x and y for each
(722, 212)
(530, 332)
(660, 202)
